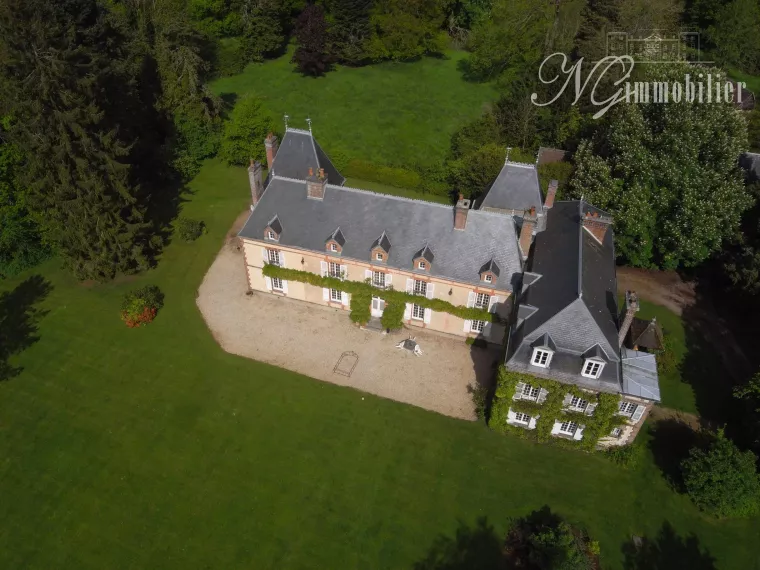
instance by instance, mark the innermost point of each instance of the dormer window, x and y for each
(421, 265)
(270, 235)
(333, 247)
(423, 259)
(592, 368)
(335, 242)
(273, 229)
(541, 357)
(378, 256)
(489, 272)
(488, 278)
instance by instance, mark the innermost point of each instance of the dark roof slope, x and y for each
(410, 224)
(298, 152)
(515, 188)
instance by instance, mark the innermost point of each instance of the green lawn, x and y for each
(394, 191)
(391, 113)
(152, 448)
(752, 81)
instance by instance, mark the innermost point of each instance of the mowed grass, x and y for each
(153, 448)
(398, 114)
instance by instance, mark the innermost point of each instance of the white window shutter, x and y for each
(323, 268)
(555, 427)
(638, 412)
(388, 279)
(487, 329)
(579, 433)
(542, 394)
(284, 286)
(282, 259)
(519, 387)
(567, 400)
(265, 254)
(471, 299)
(325, 294)
(268, 281)
(408, 311)
(409, 285)
(590, 409)
(427, 315)
(345, 298)
(368, 274)
(344, 271)
(492, 304)
(430, 288)
(532, 423)
(467, 326)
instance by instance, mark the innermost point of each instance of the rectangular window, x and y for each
(333, 247)
(616, 432)
(579, 404)
(379, 256)
(336, 295)
(477, 326)
(568, 428)
(421, 265)
(627, 408)
(522, 418)
(488, 279)
(334, 269)
(270, 234)
(530, 392)
(541, 357)
(418, 312)
(276, 283)
(482, 300)
(378, 279)
(274, 256)
(592, 369)
(420, 287)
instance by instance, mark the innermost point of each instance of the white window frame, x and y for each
(530, 392)
(333, 270)
(477, 326)
(536, 358)
(488, 278)
(592, 368)
(420, 287)
(421, 265)
(519, 418)
(270, 235)
(567, 431)
(625, 406)
(378, 282)
(333, 246)
(482, 300)
(579, 404)
(616, 432)
(418, 312)
(277, 284)
(339, 295)
(273, 255)
(379, 256)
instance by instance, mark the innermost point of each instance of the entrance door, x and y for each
(377, 307)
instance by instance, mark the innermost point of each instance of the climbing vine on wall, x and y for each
(365, 291)
(597, 425)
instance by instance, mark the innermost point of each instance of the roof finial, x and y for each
(285, 118)
(308, 120)
(506, 160)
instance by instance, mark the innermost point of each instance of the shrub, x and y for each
(666, 358)
(189, 229)
(627, 456)
(139, 307)
(476, 342)
(722, 480)
(360, 308)
(479, 395)
(393, 315)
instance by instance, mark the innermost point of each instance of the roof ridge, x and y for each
(300, 131)
(521, 164)
(388, 196)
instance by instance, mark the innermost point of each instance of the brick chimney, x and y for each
(597, 225)
(526, 232)
(271, 144)
(256, 181)
(631, 308)
(551, 193)
(315, 184)
(460, 213)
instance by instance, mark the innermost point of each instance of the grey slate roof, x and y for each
(640, 376)
(298, 152)
(425, 253)
(410, 225)
(516, 188)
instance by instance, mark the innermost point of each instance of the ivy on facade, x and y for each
(597, 425)
(362, 292)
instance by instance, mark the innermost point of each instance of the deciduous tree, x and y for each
(311, 55)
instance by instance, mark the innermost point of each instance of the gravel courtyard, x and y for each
(310, 339)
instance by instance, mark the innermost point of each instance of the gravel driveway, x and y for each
(310, 339)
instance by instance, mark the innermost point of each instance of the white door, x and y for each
(377, 307)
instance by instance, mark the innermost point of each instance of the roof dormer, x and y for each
(423, 259)
(489, 273)
(336, 241)
(273, 230)
(381, 249)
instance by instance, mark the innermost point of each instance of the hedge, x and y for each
(393, 299)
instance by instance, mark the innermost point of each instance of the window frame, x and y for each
(623, 405)
(418, 309)
(536, 356)
(421, 264)
(337, 273)
(488, 278)
(333, 247)
(273, 256)
(271, 235)
(523, 421)
(597, 372)
(618, 430)
(568, 423)
(281, 288)
(527, 392)
(420, 287)
(378, 256)
(332, 296)
(575, 401)
(474, 328)
(482, 300)
(375, 282)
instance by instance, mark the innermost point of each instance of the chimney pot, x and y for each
(311, 171)
(271, 145)
(321, 172)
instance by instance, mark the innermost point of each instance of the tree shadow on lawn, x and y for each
(471, 548)
(18, 320)
(670, 441)
(667, 551)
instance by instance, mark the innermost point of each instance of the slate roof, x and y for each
(298, 152)
(425, 253)
(750, 161)
(645, 334)
(275, 224)
(410, 224)
(640, 376)
(491, 266)
(515, 188)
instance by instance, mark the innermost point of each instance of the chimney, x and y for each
(315, 185)
(271, 144)
(551, 193)
(597, 225)
(460, 213)
(631, 308)
(526, 232)
(256, 182)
